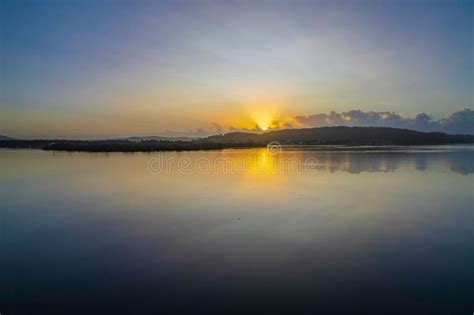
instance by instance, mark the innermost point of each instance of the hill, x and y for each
(6, 138)
(343, 136)
(157, 138)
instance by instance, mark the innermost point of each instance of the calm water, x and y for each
(357, 232)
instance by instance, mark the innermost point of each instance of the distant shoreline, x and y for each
(337, 137)
(68, 147)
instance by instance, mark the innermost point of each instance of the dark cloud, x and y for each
(458, 122)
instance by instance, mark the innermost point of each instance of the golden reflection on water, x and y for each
(248, 163)
(262, 163)
(250, 174)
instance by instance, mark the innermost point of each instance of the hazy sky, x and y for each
(113, 68)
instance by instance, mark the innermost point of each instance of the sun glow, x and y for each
(263, 118)
(263, 122)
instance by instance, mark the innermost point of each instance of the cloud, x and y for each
(218, 127)
(255, 129)
(458, 122)
(282, 123)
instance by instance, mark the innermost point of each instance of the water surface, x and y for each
(358, 231)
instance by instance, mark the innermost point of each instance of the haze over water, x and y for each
(370, 232)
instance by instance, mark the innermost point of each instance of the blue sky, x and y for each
(110, 68)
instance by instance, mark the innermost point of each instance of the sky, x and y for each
(110, 68)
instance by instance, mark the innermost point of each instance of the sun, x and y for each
(263, 112)
(263, 122)
(263, 118)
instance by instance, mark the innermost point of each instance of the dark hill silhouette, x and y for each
(156, 138)
(344, 136)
